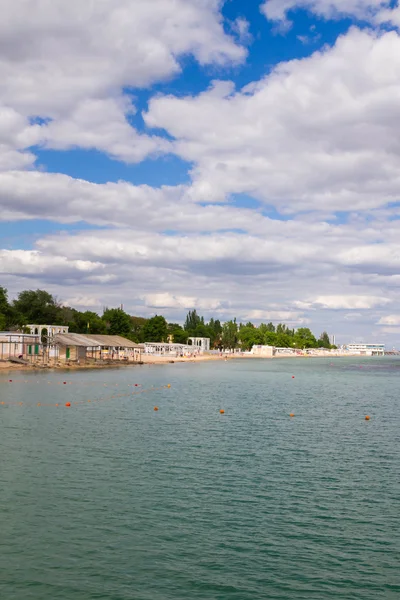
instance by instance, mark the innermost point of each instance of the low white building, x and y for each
(201, 344)
(263, 351)
(367, 349)
(18, 345)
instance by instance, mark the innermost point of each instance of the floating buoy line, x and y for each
(70, 403)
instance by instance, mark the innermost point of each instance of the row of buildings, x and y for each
(50, 344)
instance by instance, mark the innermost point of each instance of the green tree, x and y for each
(138, 324)
(250, 336)
(38, 307)
(155, 330)
(117, 322)
(192, 321)
(88, 322)
(304, 338)
(179, 335)
(9, 316)
(324, 341)
(229, 338)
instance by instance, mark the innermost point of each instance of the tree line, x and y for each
(39, 307)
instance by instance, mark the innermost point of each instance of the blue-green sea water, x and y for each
(112, 500)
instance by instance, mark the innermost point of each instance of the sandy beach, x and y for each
(149, 359)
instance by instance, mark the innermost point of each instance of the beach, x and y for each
(151, 359)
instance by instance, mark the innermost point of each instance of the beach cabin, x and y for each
(81, 347)
(18, 345)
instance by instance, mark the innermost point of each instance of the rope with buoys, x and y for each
(68, 404)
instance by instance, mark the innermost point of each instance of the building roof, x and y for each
(92, 341)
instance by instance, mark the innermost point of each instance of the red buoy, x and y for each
(68, 404)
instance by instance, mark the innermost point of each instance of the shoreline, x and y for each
(149, 360)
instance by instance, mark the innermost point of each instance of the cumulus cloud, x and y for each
(392, 320)
(277, 10)
(167, 300)
(316, 134)
(350, 302)
(69, 64)
(32, 263)
(277, 316)
(83, 302)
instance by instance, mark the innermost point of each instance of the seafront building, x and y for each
(66, 348)
(49, 331)
(18, 345)
(366, 349)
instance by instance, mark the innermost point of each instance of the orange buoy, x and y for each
(2, 402)
(68, 404)
(156, 408)
(169, 385)
(222, 412)
(38, 403)
(367, 418)
(56, 404)
(291, 415)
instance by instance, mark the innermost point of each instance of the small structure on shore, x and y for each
(202, 344)
(175, 350)
(49, 331)
(76, 346)
(18, 345)
(263, 351)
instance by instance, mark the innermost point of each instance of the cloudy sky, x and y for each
(238, 157)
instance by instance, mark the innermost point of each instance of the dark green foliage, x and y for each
(324, 341)
(138, 324)
(178, 334)
(230, 336)
(117, 322)
(155, 330)
(192, 321)
(38, 307)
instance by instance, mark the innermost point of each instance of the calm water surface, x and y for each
(111, 500)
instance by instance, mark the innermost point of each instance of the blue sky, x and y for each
(233, 157)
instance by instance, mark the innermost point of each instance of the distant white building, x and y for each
(49, 330)
(15, 345)
(367, 349)
(202, 344)
(263, 351)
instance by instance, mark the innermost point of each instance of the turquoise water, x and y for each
(111, 500)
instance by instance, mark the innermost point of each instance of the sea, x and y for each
(110, 499)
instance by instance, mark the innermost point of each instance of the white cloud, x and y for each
(83, 302)
(167, 300)
(69, 64)
(391, 320)
(350, 302)
(277, 10)
(32, 263)
(276, 316)
(316, 134)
